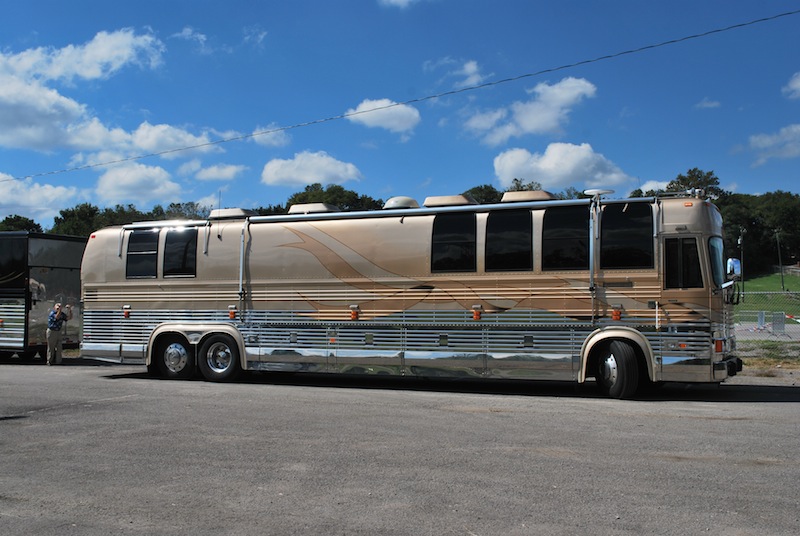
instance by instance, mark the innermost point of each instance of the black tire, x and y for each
(617, 372)
(218, 359)
(173, 358)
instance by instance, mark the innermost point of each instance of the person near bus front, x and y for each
(55, 321)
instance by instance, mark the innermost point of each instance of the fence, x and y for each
(768, 314)
(793, 271)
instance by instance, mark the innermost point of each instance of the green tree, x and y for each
(649, 193)
(335, 194)
(517, 185)
(485, 194)
(571, 193)
(756, 219)
(120, 215)
(780, 213)
(19, 223)
(697, 179)
(270, 210)
(181, 211)
(80, 220)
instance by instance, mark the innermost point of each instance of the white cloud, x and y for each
(470, 75)
(784, 144)
(385, 113)
(562, 165)
(34, 116)
(193, 36)
(653, 185)
(402, 4)
(37, 117)
(91, 134)
(707, 103)
(31, 199)
(308, 168)
(160, 138)
(190, 168)
(271, 136)
(224, 172)
(546, 113)
(213, 200)
(138, 184)
(467, 73)
(254, 35)
(792, 89)
(104, 55)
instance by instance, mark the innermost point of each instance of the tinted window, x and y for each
(509, 241)
(13, 262)
(717, 261)
(682, 263)
(180, 252)
(142, 259)
(626, 236)
(565, 238)
(453, 247)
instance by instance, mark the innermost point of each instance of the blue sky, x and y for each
(90, 87)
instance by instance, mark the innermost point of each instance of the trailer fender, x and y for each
(196, 334)
(605, 335)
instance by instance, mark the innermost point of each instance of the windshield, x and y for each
(717, 264)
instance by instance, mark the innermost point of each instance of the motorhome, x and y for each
(623, 291)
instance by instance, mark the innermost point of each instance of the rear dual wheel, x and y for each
(173, 358)
(218, 358)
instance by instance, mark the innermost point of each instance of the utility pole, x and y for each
(780, 262)
(742, 230)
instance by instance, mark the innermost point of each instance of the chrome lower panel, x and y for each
(425, 347)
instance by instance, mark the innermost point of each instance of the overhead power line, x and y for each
(417, 100)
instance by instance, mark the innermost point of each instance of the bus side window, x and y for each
(453, 245)
(565, 238)
(509, 241)
(180, 252)
(142, 258)
(682, 263)
(626, 237)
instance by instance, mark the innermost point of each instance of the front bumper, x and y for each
(727, 367)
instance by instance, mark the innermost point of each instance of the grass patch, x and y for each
(769, 354)
(772, 283)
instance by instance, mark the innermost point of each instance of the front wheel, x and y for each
(219, 358)
(617, 371)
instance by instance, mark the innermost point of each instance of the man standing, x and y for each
(55, 321)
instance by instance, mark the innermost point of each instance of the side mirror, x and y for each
(734, 269)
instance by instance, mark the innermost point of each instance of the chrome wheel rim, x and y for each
(609, 369)
(175, 357)
(219, 357)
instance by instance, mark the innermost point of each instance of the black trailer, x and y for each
(36, 271)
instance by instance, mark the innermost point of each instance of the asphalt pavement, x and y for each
(91, 448)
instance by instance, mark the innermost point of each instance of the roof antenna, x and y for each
(219, 206)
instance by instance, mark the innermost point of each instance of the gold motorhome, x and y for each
(624, 291)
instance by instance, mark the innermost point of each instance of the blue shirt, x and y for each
(55, 320)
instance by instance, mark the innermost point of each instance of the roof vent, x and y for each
(312, 208)
(449, 200)
(400, 201)
(527, 195)
(230, 213)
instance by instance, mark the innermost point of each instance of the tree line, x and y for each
(763, 230)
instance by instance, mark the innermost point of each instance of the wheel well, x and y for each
(173, 336)
(603, 346)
